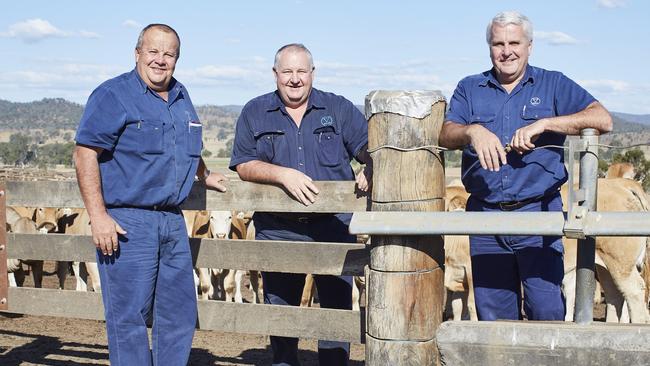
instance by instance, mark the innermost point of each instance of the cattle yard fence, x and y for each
(581, 222)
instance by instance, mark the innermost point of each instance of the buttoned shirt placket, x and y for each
(299, 138)
(507, 128)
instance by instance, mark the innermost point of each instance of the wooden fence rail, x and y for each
(280, 256)
(241, 196)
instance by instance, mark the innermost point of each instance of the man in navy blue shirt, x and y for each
(526, 108)
(137, 154)
(292, 137)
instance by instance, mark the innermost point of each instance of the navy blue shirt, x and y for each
(540, 94)
(151, 147)
(331, 133)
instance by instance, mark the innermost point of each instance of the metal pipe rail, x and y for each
(497, 223)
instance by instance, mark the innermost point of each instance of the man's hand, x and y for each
(488, 147)
(524, 137)
(214, 181)
(299, 185)
(364, 178)
(105, 230)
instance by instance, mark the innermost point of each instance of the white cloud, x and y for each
(606, 85)
(130, 23)
(87, 34)
(64, 76)
(611, 4)
(33, 30)
(555, 38)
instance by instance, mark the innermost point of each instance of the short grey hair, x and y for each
(510, 17)
(293, 47)
(163, 27)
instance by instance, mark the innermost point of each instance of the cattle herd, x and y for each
(622, 263)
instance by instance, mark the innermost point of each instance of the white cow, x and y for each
(242, 228)
(208, 224)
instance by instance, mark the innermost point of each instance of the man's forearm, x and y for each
(89, 180)
(454, 135)
(260, 172)
(594, 116)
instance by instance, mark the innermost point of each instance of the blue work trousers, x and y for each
(503, 264)
(334, 292)
(149, 277)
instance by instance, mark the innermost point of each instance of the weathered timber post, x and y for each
(405, 279)
(3, 248)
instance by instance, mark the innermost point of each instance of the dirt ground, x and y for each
(41, 340)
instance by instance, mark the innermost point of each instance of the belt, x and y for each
(514, 205)
(150, 208)
(302, 218)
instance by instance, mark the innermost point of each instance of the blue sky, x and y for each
(66, 48)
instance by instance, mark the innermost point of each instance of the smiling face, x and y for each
(156, 58)
(509, 51)
(294, 75)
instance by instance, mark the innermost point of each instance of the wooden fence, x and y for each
(279, 256)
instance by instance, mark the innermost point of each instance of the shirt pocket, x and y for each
(482, 118)
(194, 142)
(149, 136)
(532, 114)
(329, 146)
(269, 144)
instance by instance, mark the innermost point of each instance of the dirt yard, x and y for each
(39, 340)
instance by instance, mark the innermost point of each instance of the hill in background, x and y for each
(55, 116)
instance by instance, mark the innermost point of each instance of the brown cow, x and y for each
(618, 259)
(458, 265)
(15, 270)
(621, 170)
(75, 221)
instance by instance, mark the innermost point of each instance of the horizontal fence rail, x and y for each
(263, 255)
(497, 223)
(286, 321)
(334, 196)
(279, 256)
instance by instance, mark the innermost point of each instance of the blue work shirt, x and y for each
(540, 94)
(331, 133)
(151, 147)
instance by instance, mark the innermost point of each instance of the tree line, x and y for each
(23, 150)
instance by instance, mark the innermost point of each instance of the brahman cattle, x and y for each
(75, 221)
(458, 265)
(620, 261)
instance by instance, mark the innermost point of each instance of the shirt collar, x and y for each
(488, 77)
(175, 88)
(315, 101)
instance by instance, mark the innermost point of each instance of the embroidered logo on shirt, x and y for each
(535, 100)
(327, 120)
